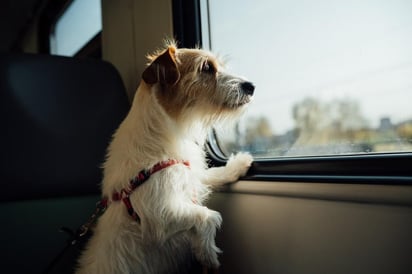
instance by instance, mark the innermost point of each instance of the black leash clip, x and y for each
(85, 228)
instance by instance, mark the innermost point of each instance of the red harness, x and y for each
(124, 194)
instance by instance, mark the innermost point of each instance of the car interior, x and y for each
(346, 214)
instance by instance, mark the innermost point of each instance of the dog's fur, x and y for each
(182, 94)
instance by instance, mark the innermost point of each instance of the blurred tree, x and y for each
(405, 131)
(347, 116)
(308, 114)
(258, 128)
(327, 122)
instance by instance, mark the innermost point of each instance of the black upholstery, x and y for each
(57, 116)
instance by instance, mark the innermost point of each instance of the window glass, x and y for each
(332, 77)
(80, 22)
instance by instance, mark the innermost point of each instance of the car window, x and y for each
(78, 24)
(332, 77)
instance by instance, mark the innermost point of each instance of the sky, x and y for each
(326, 49)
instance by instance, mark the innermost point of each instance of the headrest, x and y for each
(57, 116)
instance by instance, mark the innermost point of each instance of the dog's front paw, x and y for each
(238, 165)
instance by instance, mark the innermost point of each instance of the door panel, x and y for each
(282, 227)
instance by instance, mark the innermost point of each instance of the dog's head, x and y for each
(192, 81)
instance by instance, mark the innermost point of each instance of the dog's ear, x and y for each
(163, 69)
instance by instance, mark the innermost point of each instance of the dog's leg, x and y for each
(201, 223)
(203, 236)
(237, 166)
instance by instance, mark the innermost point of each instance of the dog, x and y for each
(156, 179)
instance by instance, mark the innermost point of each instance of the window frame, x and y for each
(187, 23)
(374, 168)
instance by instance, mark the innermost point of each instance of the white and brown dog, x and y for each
(152, 227)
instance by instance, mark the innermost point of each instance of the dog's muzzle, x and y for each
(238, 91)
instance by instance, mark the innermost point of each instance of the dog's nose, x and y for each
(248, 88)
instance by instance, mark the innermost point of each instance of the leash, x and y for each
(84, 231)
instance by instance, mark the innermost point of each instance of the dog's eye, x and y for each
(208, 67)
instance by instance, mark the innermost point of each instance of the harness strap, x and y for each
(124, 194)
